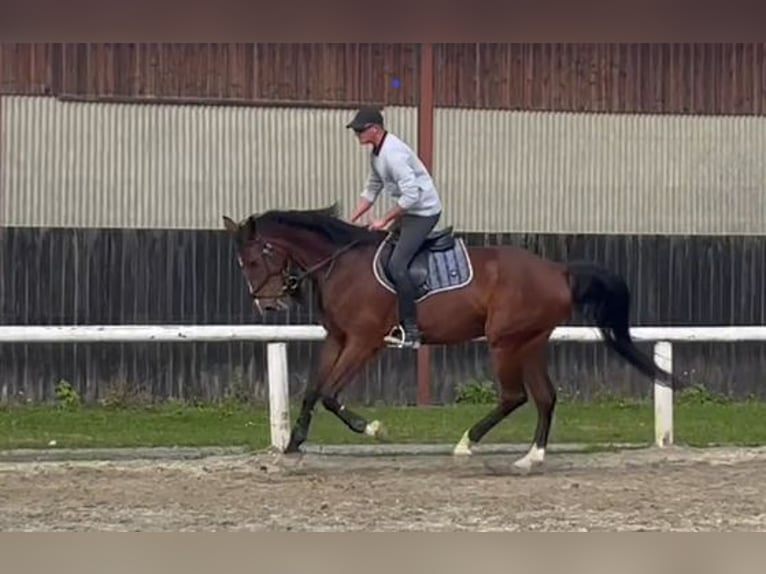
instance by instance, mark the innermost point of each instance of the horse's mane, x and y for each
(324, 222)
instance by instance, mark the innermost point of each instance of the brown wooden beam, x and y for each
(195, 101)
(425, 151)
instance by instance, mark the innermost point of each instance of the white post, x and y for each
(663, 397)
(279, 395)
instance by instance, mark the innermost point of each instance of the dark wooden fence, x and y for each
(74, 276)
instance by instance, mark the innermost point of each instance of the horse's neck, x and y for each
(316, 254)
(308, 251)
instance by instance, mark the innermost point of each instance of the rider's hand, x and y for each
(378, 224)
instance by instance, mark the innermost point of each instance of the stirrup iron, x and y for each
(397, 338)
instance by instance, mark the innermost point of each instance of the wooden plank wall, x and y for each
(630, 78)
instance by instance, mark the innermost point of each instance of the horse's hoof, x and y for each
(503, 468)
(526, 466)
(376, 430)
(292, 450)
(521, 467)
(533, 459)
(463, 447)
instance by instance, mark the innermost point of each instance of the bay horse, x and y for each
(507, 294)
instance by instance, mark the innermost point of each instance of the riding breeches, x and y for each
(412, 231)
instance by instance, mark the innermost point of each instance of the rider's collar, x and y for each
(376, 149)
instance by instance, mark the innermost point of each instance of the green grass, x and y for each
(697, 422)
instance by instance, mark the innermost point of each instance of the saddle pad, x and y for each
(447, 270)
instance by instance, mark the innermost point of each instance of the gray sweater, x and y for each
(399, 171)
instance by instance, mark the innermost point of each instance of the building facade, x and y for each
(118, 161)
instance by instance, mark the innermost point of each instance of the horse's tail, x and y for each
(604, 297)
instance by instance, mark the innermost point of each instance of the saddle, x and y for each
(439, 240)
(440, 264)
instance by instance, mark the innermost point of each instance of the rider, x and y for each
(398, 170)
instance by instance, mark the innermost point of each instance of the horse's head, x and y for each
(266, 268)
(272, 245)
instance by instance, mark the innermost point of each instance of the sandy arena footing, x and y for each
(714, 489)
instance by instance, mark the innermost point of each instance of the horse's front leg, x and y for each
(355, 354)
(353, 420)
(339, 364)
(328, 356)
(300, 429)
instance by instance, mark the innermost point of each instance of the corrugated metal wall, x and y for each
(162, 166)
(503, 171)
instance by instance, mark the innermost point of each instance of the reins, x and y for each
(293, 280)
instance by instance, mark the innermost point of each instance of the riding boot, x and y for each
(411, 334)
(406, 334)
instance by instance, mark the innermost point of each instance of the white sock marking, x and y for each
(463, 447)
(372, 429)
(534, 456)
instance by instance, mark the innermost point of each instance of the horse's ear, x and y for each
(230, 225)
(251, 225)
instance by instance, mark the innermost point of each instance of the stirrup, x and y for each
(399, 340)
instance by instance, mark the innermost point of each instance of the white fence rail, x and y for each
(277, 337)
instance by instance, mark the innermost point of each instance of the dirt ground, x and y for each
(675, 489)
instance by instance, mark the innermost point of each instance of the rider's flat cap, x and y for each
(364, 117)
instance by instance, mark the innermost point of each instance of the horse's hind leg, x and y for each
(508, 369)
(543, 393)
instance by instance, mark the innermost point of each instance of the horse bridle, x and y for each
(267, 252)
(291, 281)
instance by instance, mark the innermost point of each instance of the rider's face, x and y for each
(367, 135)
